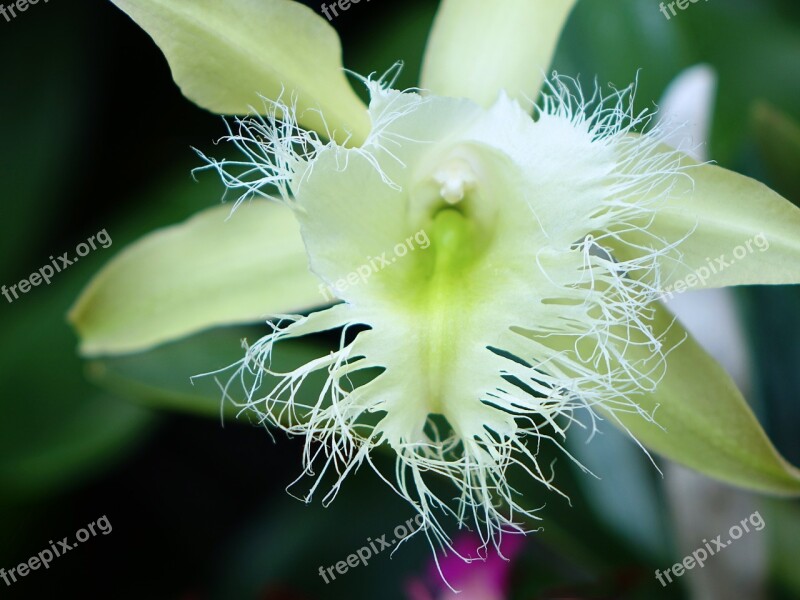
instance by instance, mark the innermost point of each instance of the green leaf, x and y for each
(283, 546)
(85, 434)
(773, 322)
(744, 40)
(646, 48)
(652, 50)
(56, 428)
(202, 273)
(225, 53)
(40, 120)
(477, 48)
(168, 376)
(783, 528)
(623, 471)
(740, 232)
(778, 137)
(703, 422)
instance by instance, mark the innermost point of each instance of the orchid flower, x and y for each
(556, 218)
(483, 577)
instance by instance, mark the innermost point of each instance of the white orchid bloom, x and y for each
(553, 227)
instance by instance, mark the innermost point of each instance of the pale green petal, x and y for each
(702, 420)
(440, 289)
(478, 48)
(199, 274)
(738, 232)
(225, 53)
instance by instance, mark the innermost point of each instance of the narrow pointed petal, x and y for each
(739, 231)
(478, 49)
(701, 419)
(196, 275)
(735, 231)
(710, 315)
(687, 110)
(226, 54)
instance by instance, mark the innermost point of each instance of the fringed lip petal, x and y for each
(466, 337)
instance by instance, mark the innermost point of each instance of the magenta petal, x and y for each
(485, 578)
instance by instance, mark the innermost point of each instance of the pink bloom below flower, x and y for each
(481, 579)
